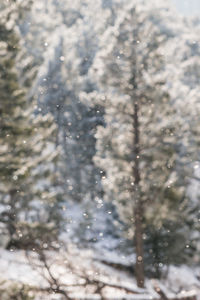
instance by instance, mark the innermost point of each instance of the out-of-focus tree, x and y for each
(138, 148)
(29, 201)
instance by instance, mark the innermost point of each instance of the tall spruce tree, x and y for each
(28, 201)
(137, 148)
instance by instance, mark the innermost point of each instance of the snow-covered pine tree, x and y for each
(28, 202)
(182, 75)
(58, 86)
(137, 147)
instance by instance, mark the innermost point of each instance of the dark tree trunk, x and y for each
(11, 217)
(138, 211)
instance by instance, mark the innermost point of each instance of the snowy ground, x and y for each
(72, 266)
(71, 269)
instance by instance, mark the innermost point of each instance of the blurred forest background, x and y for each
(99, 159)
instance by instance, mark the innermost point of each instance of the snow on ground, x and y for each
(184, 279)
(14, 266)
(105, 253)
(71, 267)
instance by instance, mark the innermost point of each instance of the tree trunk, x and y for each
(138, 211)
(11, 218)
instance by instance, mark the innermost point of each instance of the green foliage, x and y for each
(28, 193)
(166, 245)
(15, 291)
(34, 236)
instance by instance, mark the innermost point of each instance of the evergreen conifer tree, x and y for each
(137, 149)
(28, 201)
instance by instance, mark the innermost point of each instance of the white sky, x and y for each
(188, 7)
